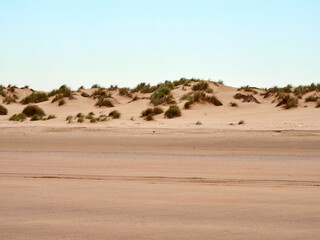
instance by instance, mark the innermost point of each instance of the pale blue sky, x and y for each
(46, 43)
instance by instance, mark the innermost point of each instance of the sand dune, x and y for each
(163, 179)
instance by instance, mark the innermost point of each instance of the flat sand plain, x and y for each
(120, 183)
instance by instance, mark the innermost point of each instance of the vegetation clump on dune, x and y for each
(200, 97)
(144, 88)
(31, 110)
(287, 101)
(149, 113)
(35, 98)
(102, 102)
(162, 94)
(201, 86)
(173, 112)
(2, 93)
(18, 117)
(114, 114)
(233, 104)
(125, 92)
(311, 98)
(3, 110)
(61, 93)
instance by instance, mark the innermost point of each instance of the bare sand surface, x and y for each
(94, 182)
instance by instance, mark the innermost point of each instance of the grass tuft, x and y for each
(31, 110)
(18, 117)
(173, 112)
(35, 98)
(3, 110)
(114, 114)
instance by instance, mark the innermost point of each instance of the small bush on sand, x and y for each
(93, 120)
(51, 117)
(162, 94)
(146, 112)
(198, 123)
(102, 102)
(3, 110)
(188, 104)
(287, 101)
(90, 115)
(149, 117)
(80, 120)
(18, 117)
(173, 111)
(114, 114)
(69, 118)
(157, 110)
(61, 102)
(36, 117)
(233, 104)
(31, 110)
(35, 98)
(95, 86)
(311, 98)
(200, 86)
(80, 115)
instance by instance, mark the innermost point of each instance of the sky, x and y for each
(45, 43)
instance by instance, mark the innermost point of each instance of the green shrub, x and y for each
(93, 120)
(162, 94)
(173, 111)
(63, 91)
(80, 115)
(36, 117)
(102, 102)
(233, 104)
(95, 86)
(90, 115)
(200, 86)
(31, 110)
(51, 117)
(157, 110)
(198, 123)
(80, 120)
(18, 117)
(3, 110)
(287, 101)
(125, 92)
(149, 117)
(144, 88)
(61, 102)
(188, 104)
(114, 114)
(146, 112)
(212, 99)
(35, 98)
(57, 97)
(69, 118)
(311, 99)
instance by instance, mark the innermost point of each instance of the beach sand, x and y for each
(98, 182)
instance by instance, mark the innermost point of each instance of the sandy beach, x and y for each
(113, 183)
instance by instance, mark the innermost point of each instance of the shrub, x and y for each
(69, 118)
(36, 117)
(83, 94)
(51, 117)
(149, 117)
(146, 112)
(157, 110)
(318, 104)
(125, 92)
(90, 115)
(212, 99)
(35, 98)
(80, 120)
(200, 86)
(93, 120)
(114, 114)
(144, 88)
(233, 104)
(150, 111)
(3, 110)
(173, 111)
(61, 102)
(188, 104)
(311, 99)
(57, 97)
(287, 101)
(31, 110)
(102, 102)
(18, 117)
(95, 86)
(2, 93)
(80, 115)
(162, 94)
